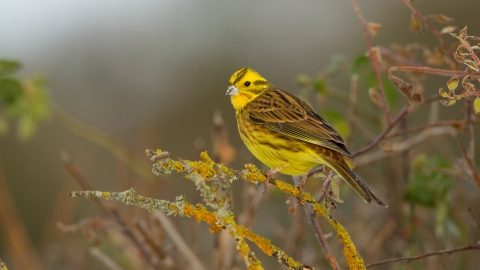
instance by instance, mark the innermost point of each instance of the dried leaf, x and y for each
(407, 90)
(374, 96)
(471, 64)
(388, 148)
(441, 18)
(452, 83)
(442, 92)
(373, 28)
(448, 29)
(415, 24)
(458, 55)
(472, 37)
(448, 102)
(469, 87)
(476, 105)
(463, 32)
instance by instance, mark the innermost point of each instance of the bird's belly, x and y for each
(275, 150)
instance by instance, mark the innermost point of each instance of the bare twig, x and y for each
(318, 231)
(103, 139)
(477, 222)
(471, 166)
(400, 147)
(83, 182)
(394, 122)
(432, 29)
(352, 108)
(373, 59)
(421, 256)
(107, 261)
(177, 239)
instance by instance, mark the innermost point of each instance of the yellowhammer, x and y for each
(284, 133)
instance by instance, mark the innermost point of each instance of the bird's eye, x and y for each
(247, 83)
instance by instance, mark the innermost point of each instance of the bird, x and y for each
(286, 134)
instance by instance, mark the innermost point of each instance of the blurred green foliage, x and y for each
(25, 102)
(430, 181)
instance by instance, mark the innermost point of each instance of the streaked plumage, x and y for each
(282, 131)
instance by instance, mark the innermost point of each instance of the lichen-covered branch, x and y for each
(182, 208)
(206, 169)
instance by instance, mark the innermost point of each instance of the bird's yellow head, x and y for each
(244, 86)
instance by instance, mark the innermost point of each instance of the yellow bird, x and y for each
(284, 133)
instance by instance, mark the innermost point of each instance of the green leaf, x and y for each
(476, 105)
(8, 67)
(361, 62)
(320, 85)
(428, 185)
(10, 90)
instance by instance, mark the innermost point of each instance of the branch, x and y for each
(373, 59)
(421, 256)
(127, 231)
(395, 121)
(432, 29)
(318, 231)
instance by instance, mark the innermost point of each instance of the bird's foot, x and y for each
(269, 175)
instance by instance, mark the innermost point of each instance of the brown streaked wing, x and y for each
(285, 113)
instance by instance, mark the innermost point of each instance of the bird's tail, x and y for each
(342, 169)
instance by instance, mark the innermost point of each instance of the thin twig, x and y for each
(127, 231)
(477, 222)
(177, 239)
(394, 122)
(471, 166)
(352, 108)
(107, 261)
(421, 256)
(373, 59)
(318, 231)
(432, 29)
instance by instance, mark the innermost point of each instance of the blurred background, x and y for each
(153, 74)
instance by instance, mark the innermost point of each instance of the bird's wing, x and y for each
(285, 113)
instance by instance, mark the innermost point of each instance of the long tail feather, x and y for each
(342, 169)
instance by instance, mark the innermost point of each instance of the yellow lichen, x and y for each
(204, 167)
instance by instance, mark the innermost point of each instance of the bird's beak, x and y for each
(232, 91)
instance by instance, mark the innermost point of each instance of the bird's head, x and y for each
(244, 86)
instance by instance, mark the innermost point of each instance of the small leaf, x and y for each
(374, 28)
(448, 102)
(303, 80)
(441, 18)
(442, 93)
(452, 83)
(448, 29)
(476, 105)
(10, 90)
(375, 97)
(320, 85)
(415, 24)
(469, 87)
(472, 37)
(407, 90)
(463, 32)
(471, 64)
